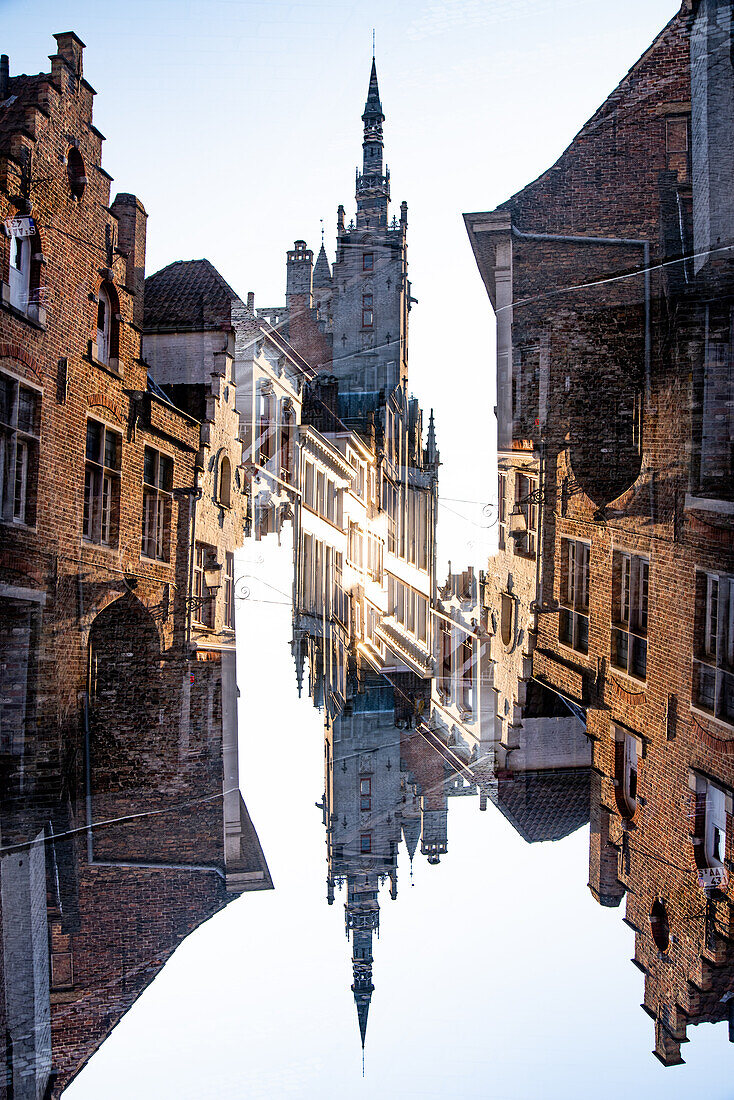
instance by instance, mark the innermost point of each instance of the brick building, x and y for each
(98, 472)
(611, 278)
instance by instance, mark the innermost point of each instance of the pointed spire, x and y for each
(373, 106)
(363, 1008)
(321, 271)
(411, 835)
(431, 448)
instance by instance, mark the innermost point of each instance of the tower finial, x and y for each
(373, 43)
(322, 230)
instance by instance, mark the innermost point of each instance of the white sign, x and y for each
(20, 227)
(712, 876)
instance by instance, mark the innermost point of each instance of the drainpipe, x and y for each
(633, 242)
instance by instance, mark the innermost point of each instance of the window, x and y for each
(502, 509)
(467, 674)
(713, 664)
(677, 155)
(265, 426)
(309, 492)
(574, 617)
(630, 586)
(627, 753)
(286, 442)
(715, 825)
(355, 545)
(507, 611)
(204, 597)
(205, 558)
(368, 261)
(157, 486)
(445, 682)
(229, 590)
(367, 314)
(365, 843)
(20, 272)
(102, 484)
(104, 322)
(659, 927)
(20, 409)
(76, 172)
(525, 487)
(225, 482)
(365, 793)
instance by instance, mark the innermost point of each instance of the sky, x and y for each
(238, 126)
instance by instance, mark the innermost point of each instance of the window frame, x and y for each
(368, 310)
(630, 613)
(204, 607)
(229, 604)
(102, 487)
(713, 655)
(19, 484)
(157, 507)
(575, 583)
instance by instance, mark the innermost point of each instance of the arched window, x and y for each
(20, 272)
(225, 482)
(107, 330)
(627, 754)
(507, 608)
(659, 926)
(104, 319)
(76, 172)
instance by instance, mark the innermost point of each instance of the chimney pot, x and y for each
(251, 301)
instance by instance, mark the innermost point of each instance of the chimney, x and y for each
(4, 76)
(251, 301)
(131, 224)
(70, 49)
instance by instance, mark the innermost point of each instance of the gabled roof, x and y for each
(544, 805)
(188, 295)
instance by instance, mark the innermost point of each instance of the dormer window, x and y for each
(368, 261)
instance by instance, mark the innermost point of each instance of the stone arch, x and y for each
(124, 684)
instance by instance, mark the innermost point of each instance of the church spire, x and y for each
(362, 986)
(373, 185)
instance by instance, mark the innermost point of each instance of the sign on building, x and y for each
(712, 877)
(19, 227)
